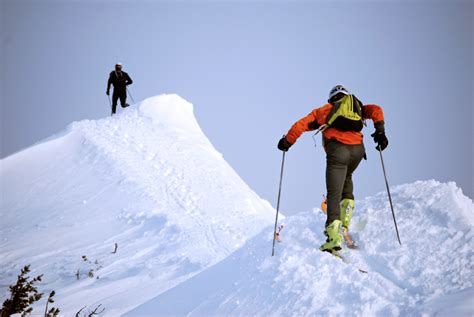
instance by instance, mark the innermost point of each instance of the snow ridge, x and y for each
(147, 179)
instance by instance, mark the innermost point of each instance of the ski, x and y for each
(344, 259)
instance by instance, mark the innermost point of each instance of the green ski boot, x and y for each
(334, 238)
(347, 206)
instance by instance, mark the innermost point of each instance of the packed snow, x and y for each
(433, 268)
(194, 240)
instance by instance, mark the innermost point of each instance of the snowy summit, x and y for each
(139, 213)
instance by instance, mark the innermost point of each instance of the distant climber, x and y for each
(120, 80)
(340, 121)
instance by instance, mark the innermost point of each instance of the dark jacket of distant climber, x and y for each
(120, 80)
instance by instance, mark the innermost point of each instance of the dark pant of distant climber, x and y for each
(340, 121)
(119, 94)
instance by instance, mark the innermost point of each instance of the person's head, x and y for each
(337, 92)
(118, 67)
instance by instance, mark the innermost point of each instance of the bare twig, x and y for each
(47, 302)
(77, 314)
(95, 312)
(116, 247)
(53, 312)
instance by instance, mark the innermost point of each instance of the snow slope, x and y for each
(431, 274)
(194, 240)
(147, 179)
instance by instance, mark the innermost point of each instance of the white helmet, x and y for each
(338, 90)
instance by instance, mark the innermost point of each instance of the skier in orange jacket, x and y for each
(341, 121)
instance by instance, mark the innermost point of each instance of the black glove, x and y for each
(107, 93)
(381, 139)
(284, 145)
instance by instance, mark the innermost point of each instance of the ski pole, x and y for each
(389, 196)
(131, 97)
(111, 109)
(278, 203)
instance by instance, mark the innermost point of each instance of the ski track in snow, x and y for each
(194, 240)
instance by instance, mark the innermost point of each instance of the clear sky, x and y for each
(252, 69)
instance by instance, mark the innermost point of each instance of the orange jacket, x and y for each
(319, 115)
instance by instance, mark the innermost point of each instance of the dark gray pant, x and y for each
(119, 94)
(341, 162)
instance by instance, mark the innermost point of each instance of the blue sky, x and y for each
(252, 69)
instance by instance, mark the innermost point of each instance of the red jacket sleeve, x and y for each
(373, 112)
(319, 115)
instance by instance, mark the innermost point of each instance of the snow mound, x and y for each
(171, 111)
(433, 269)
(148, 180)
